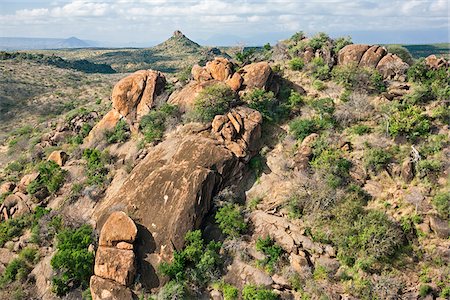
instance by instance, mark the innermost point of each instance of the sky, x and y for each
(226, 22)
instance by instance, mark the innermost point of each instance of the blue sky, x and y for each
(226, 22)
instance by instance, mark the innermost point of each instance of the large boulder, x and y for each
(170, 191)
(434, 62)
(352, 54)
(115, 264)
(133, 96)
(256, 75)
(59, 157)
(107, 123)
(118, 228)
(392, 67)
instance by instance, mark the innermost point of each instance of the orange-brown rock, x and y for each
(372, 56)
(59, 157)
(220, 68)
(170, 191)
(392, 67)
(107, 123)
(104, 289)
(256, 75)
(200, 73)
(304, 152)
(115, 264)
(235, 82)
(7, 187)
(133, 96)
(26, 180)
(117, 228)
(352, 54)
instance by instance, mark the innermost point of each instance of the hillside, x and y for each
(314, 169)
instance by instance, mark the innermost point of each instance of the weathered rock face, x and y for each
(15, 205)
(256, 75)
(220, 68)
(115, 263)
(389, 65)
(185, 97)
(170, 191)
(133, 96)
(304, 152)
(96, 135)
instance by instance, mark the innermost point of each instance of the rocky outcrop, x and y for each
(115, 264)
(389, 65)
(15, 205)
(170, 191)
(304, 152)
(220, 70)
(107, 123)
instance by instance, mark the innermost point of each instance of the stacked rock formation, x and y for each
(132, 97)
(115, 265)
(220, 70)
(170, 191)
(389, 65)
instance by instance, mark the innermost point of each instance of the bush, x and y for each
(340, 43)
(272, 252)
(72, 262)
(51, 177)
(95, 164)
(360, 129)
(376, 159)
(296, 64)
(319, 85)
(230, 220)
(265, 103)
(173, 290)
(409, 121)
(153, 124)
(441, 202)
(229, 291)
(253, 292)
(211, 101)
(318, 41)
(119, 134)
(353, 78)
(424, 290)
(428, 167)
(301, 128)
(197, 264)
(318, 69)
(330, 163)
(12, 228)
(19, 268)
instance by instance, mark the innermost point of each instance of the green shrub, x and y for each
(445, 293)
(318, 41)
(360, 129)
(153, 124)
(197, 264)
(296, 64)
(301, 128)
(211, 101)
(441, 113)
(319, 85)
(95, 166)
(330, 163)
(230, 220)
(320, 273)
(264, 102)
(441, 202)
(428, 167)
(272, 252)
(352, 77)
(376, 159)
(323, 106)
(173, 290)
(318, 69)
(229, 291)
(253, 292)
(72, 262)
(119, 134)
(438, 80)
(409, 121)
(19, 268)
(51, 177)
(12, 228)
(340, 43)
(424, 290)
(246, 56)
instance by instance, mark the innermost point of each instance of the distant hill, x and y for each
(171, 56)
(418, 51)
(17, 43)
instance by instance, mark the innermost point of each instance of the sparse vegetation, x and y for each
(272, 252)
(253, 292)
(95, 166)
(51, 178)
(119, 134)
(153, 125)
